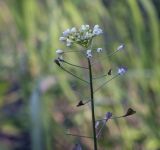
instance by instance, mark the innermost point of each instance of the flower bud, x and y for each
(62, 38)
(120, 47)
(122, 70)
(99, 50)
(59, 51)
(89, 53)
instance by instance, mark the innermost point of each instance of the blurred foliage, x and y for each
(38, 100)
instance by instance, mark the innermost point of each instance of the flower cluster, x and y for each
(82, 36)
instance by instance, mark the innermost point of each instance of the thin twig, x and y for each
(73, 75)
(110, 118)
(100, 130)
(73, 51)
(73, 64)
(105, 83)
(113, 53)
(100, 76)
(79, 135)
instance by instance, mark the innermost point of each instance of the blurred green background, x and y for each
(38, 100)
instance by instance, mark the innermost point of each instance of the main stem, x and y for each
(92, 104)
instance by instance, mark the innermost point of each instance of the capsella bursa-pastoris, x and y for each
(84, 36)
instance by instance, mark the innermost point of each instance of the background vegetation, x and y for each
(38, 100)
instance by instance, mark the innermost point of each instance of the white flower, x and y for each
(120, 47)
(97, 30)
(66, 32)
(99, 50)
(84, 27)
(88, 35)
(122, 70)
(59, 51)
(89, 53)
(73, 30)
(96, 26)
(87, 27)
(69, 42)
(62, 38)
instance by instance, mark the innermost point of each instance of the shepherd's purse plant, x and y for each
(84, 36)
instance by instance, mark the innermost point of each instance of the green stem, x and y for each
(92, 104)
(74, 64)
(105, 83)
(73, 74)
(83, 136)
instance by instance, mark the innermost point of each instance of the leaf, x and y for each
(129, 112)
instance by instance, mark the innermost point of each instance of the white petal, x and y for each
(120, 47)
(73, 30)
(96, 26)
(99, 50)
(69, 42)
(87, 27)
(66, 32)
(89, 53)
(62, 38)
(97, 31)
(83, 27)
(122, 70)
(59, 51)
